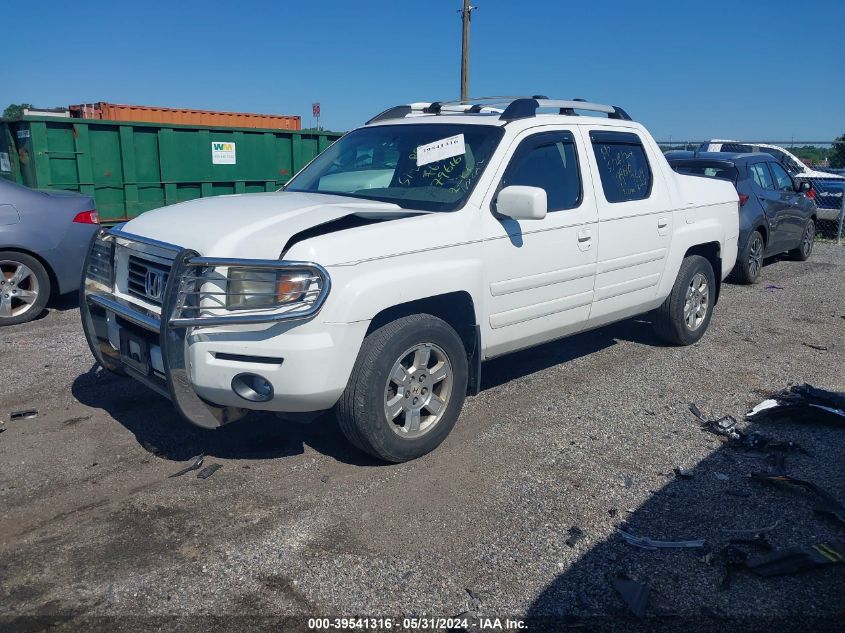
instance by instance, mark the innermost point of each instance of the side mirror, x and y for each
(803, 186)
(522, 203)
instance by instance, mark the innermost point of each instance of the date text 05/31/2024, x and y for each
(415, 624)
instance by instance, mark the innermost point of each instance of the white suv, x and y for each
(433, 238)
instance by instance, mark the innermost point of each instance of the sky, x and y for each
(762, 70)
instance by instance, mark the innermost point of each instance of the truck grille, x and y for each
(147, 279)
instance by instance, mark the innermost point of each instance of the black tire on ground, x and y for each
(21, 273)
(805, 248)
(361, 410)
(749, 263)
(670, 319)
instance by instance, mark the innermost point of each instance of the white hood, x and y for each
(253, 226)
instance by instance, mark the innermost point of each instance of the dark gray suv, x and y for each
(775, 215)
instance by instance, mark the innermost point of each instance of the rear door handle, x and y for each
(662, 223)
(585, 235)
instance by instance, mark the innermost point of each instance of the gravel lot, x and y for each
(582, 432)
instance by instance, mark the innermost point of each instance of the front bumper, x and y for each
(182, 344)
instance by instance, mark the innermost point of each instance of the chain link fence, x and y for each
(821, 163)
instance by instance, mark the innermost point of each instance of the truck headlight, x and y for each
(259, 288)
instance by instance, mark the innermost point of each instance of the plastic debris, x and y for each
(802, 403)
(627, 481)
(797, 559)
(726, 427)
(196, 462)
(26, 414)
(826, 503)
(682, 473)
(648, 543)
(634, 594)
(721, 476)
(575, 535)
(771, 287)
(821, 348)
(208, 471)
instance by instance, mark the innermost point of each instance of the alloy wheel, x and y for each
(418, 390)
(18, 288)
(755, 256)
(697, 302)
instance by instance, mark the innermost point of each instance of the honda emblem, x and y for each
(154, 284)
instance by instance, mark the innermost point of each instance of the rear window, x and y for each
(707, 168)
(623, 166)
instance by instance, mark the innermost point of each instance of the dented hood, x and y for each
(254, 226)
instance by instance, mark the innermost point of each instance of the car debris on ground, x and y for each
(801, 403)
(726, 426)
(826, 504)
(575, 535)
(797, 559)
(634, 594)
(208, 471)
(196, 462)
(648, 543)
(26, 414)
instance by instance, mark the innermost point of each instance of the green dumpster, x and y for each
(132, 167)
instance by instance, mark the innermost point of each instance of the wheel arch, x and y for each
(455, 308)
(712, 252)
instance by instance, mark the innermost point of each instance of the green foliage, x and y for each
(15, 110)
(837, 154)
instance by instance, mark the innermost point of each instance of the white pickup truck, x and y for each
(435, 237)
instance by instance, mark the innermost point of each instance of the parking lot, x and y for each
(583, 433)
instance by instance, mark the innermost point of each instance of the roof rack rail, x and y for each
(514, 108)
(527, 108)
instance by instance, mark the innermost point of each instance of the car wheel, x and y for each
(24, 288)
(684, 316)
(805, 248)
(406, 390)
(750, 260)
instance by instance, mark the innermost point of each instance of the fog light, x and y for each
(252, 387)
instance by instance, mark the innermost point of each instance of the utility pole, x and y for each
(465, 17)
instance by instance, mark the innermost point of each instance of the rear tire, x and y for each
(685, 315)
(24, 288)
(750, 260)
(805, 248)
(406, 390)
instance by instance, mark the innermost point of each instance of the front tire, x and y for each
(749, 264)
(406, 390)
(685, 315)
(24, 288)
(805, 248)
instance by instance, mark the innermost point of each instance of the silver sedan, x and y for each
(44, 237)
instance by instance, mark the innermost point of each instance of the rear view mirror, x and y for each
(802, 186)
(522, 203)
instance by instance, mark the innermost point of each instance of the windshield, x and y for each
(432, 167)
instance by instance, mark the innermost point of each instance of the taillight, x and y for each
(811, 193)
(87, 217)
(742, 199)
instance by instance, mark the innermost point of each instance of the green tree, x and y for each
(837, 154)
(15, 110)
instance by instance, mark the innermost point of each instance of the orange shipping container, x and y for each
(183, 116)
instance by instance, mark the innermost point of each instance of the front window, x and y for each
(782, 179)
(432, 167)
